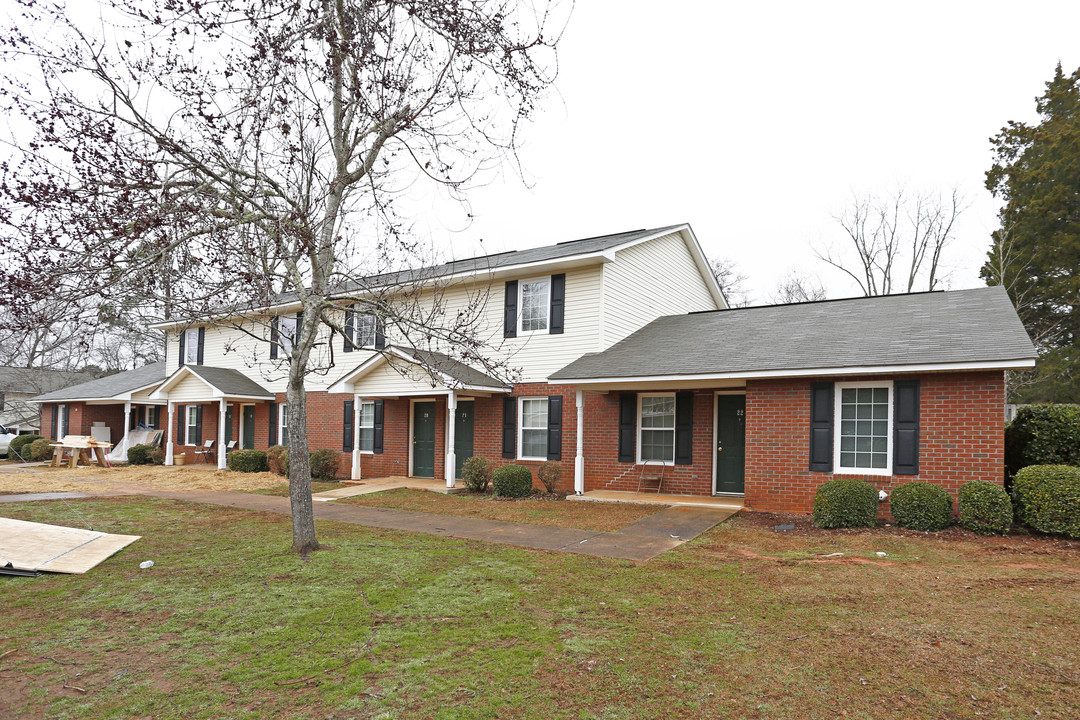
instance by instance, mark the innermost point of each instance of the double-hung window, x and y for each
(367, 427)
(534, 301)
(192, 424)
(286, 332)
(151, 416)
(191, 346)
(365, 331)
(533, 428)
(864, 417)
(656, 427)
(283, 424)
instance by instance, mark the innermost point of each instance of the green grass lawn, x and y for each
(743, 622)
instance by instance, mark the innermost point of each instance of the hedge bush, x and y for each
(549, 474)
(140, 454)
(1047, 498)
(921, 506)
(513, 481)
(324, 464)
(984, 508)
(247, 461)
(846, 503)
(277, 459)
(40, 449)
(17, 444)
(157, 455)
(476, 473)
(1042, 435)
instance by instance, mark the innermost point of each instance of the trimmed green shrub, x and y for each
(549, 474)
(1047, 498)
(324, 464)
(17, 444)
(512, 481)
(157, 456)
(984, 508)
(40, 449)
(247, 461)
(476, 473)
(277, 459)
(140, 454)
(846, 503)
(921, 506)
(1042, 435)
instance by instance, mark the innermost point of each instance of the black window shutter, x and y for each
(906, 427)
(347, 431)
(133, 420)
(558, 303)
(272, 439)
(554, 449)
(181, 425)
(198, 424)
(377, 441)
(627, 427)
(350, 334)
(273, 341)
(821, 427)
(510, 310)
(684, 428)
(55, 420)
(380, 333)
(202, 340)
(509, 437)
(183, 341)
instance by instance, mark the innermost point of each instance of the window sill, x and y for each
(530, 333)
(534, 459)
(885, 472)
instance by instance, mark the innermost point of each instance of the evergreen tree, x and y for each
(1036, 250)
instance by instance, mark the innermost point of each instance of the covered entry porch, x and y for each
(418, 414)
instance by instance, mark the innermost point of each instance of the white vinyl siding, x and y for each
(532, 428)
(656, 427)
(863, 428)
(191, 389)
(647, 281)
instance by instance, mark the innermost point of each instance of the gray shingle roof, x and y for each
(960, 326)
(38, 380)
(455, 369)
(230, 382)
(107, 387)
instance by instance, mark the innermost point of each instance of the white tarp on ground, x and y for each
(133, 438)
(53, 548)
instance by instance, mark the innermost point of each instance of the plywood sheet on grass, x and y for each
(53, 548)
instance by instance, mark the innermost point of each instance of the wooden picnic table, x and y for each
(82, 448)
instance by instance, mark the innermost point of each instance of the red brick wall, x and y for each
(961, 438)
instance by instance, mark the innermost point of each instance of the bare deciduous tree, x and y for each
(218, 158)
(796, 287)
(732, 281)
(895, 243)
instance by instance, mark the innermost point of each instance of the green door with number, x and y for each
(730, 443)
(423, 447)
(247, 419)
(463, 434)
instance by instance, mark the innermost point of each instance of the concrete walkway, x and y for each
(642, 540)
(394, 482)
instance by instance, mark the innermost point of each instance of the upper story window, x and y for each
(535, 303)
(656, 427)
(286, 332)
(365, 330)
(864, 418)
(191, 346)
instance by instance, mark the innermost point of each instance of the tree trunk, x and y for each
(303, 513)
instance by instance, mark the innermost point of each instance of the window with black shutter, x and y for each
(906, 427)
(554, 427)
(347, 427)
(627, 427)
(509, 428)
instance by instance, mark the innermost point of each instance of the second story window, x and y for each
(286, 332)
(191, 346)
(535, 305)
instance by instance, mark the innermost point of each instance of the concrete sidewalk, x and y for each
(642, 540)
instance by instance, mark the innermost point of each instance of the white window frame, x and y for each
(839, 469)
(641, 428)
(283, 424)
(190, 423)
(364, 322)
(521, 331)
(151, 410)
(521, 427)
(285, 339)
(62, 421)
(191, 346)
(361, 427)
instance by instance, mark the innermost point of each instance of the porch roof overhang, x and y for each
(435, 372)
(111, 389)
(220, 384)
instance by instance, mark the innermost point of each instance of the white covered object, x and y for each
(133, 438)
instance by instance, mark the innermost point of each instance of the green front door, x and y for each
(228, 423)
(730, 443)
(423, 447)
(247, 417)
(463, 434)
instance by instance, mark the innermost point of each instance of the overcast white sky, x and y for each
(754, 122)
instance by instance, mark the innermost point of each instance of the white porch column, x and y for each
(127, 417)
(356, 469)
(579, 458)
(169, 437)
(221, 459)
(451, 422)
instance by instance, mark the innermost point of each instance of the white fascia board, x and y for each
(804, 372)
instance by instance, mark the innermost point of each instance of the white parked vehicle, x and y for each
(6, 436)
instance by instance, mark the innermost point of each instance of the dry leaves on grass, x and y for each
(97, 479)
